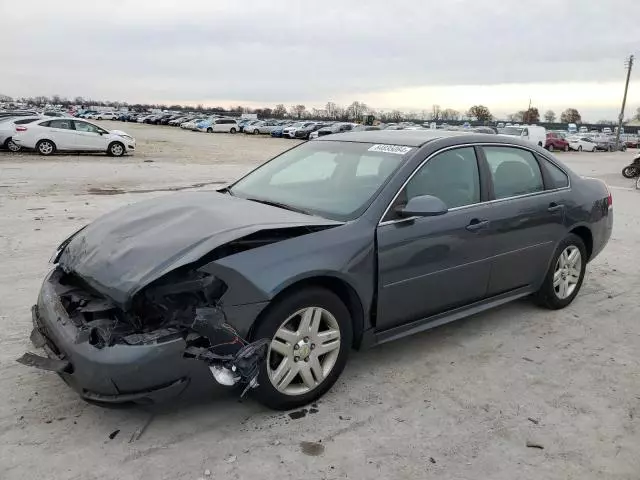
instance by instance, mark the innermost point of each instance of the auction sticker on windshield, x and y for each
(397, 149)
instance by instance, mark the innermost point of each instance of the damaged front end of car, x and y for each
(144, 353)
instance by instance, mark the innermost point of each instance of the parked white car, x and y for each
(104, 116)
(582, 144)
(192, 124)
(8, 130)
(224, 125)
(533, 133)
(261, 127)
(60, 134)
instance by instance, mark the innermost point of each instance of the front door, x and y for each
(429, 265)
(90, 137)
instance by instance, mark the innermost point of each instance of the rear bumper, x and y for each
(112, 374)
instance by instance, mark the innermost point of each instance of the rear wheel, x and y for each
(12, 146)
(256, 132)
(116, 149)
(311, 333)
(209, 130)
(566, 148)
(550, 147)
(638, 183)
(45, 147)
(579, 148)
(566, 273)
(233, 130)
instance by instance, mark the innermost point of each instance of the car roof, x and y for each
(410, 138)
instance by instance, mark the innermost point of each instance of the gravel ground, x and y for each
(458, 402)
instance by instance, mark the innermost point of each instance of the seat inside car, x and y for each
(513, 178)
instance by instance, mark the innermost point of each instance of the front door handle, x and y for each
(554, 207)
(477, 224)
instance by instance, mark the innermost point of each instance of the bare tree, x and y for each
(480, 113)
(297, 110)
(450, 114)
(332, 110)
(435, 112)
(550, 116)
(356, 110)
(570, 115)
(280, 111)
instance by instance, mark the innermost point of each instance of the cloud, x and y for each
(265, 52)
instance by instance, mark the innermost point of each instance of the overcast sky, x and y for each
(387, 53)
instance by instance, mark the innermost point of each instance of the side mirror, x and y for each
(423, 206)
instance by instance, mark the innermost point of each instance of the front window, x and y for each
(336, 180)
(514, 131)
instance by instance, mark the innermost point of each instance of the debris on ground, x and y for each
(141, 429)
(313, 449)
(344, 417)
(231, 459)
(207, 473)
(533, 420)
(532, 444)
(527, 359)
(298, 414)
(432, 460)
(114, 434)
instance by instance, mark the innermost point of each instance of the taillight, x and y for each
(20, 128)
(609, 200)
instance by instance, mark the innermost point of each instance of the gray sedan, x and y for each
(345, 242)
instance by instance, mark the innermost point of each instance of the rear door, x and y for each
(62, 133)
(526, 218)
(429, 265)
(90, 137)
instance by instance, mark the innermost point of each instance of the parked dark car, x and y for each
(608, 144)
(307, 130)
(339, 127)
(556, 141)
(350, 240)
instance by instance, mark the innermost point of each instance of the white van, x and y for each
(533, 133)
(572, 128)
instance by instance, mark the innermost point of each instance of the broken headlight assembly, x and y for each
(193, 304)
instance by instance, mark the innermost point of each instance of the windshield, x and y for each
(335, 180)
(512, 131)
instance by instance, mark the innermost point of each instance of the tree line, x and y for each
(356, 111)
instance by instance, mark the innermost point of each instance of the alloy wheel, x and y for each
(13, 146)
(303, 351)
(567, 272)
(117, 150)
(45, 148)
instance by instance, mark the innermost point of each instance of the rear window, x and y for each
(559, 179)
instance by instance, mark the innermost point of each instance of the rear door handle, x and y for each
(554, 207)
(477, 224)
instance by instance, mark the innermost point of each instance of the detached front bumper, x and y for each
(144, 373)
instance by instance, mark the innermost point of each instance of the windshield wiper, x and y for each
(278, 204)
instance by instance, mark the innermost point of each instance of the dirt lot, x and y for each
(458, 402)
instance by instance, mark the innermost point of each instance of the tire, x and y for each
(550, 147)
(638, 183)
(593, 149)
(209, 130)
(10, 145)
(285, 313)
(630, 172)
(46, 147)
(256, 132)
(233, 130)
(566, 148)
(551, 296)
(116, 149)
(99, 118)
(579, 148)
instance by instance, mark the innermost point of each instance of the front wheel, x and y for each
(233, 130)
(566, 148)
(566, 273)
(638, 183)
(550, 147)
(630, 172)
(579, 148)
(256, 132)
(116, 149)
(209, 130)
(311, 334)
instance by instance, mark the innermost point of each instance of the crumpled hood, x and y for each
(125, 250)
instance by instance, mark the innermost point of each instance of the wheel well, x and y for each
(342, 289)
(585, 234)
(115, 141)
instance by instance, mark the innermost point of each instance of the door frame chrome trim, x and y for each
(463, 145)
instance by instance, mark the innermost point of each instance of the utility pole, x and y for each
(629, 65)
